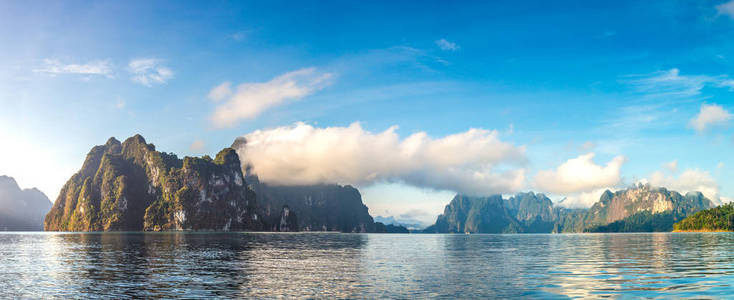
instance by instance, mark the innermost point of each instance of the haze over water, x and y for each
(325, 265)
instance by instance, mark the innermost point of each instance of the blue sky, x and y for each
(554, 80)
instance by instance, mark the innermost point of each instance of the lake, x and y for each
(333, 265)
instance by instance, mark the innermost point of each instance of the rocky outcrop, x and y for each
(131, 186)
(21, 210)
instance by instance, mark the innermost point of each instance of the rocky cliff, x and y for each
(131, 186)
(21, 210)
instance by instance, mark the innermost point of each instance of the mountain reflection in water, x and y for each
(331, 265)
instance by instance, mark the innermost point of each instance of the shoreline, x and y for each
(704, 230)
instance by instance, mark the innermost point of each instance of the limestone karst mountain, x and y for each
(131, 186)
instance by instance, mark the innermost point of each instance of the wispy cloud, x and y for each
(197, 146)
(710, 115)
(473, 162)
(56, 67)
(672, 83)
(446, 45)
(671, 166)
(726, 8)
(251, 99)
(149, 71)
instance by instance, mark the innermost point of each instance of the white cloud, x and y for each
(149, 71)
(580, 174)
(689, 181)
(251, 99)
(471, 162)
(710, 115)
(672, 166)
(96, 67)
(583, 199)
(197, 146)
(446, 45)
(726, 8)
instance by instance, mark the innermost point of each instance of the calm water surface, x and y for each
(330, 265)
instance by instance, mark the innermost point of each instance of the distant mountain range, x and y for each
(21, 210)
(636, 209)
(410, 224)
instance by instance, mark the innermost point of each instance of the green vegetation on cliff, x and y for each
(131, 186)
(715, 219)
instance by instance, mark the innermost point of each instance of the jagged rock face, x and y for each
(21, 209)
(623, 204)
(322, 207)
(131, 186)
(529, 206)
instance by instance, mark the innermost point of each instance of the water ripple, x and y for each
(328, 265)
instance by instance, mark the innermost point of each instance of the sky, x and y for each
(411, 102)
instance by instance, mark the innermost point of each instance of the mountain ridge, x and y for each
(631, 209)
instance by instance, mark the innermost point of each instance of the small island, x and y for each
(717, 219)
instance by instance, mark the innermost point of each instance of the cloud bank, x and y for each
(251, 99)
(710, 115)
(471, 162)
